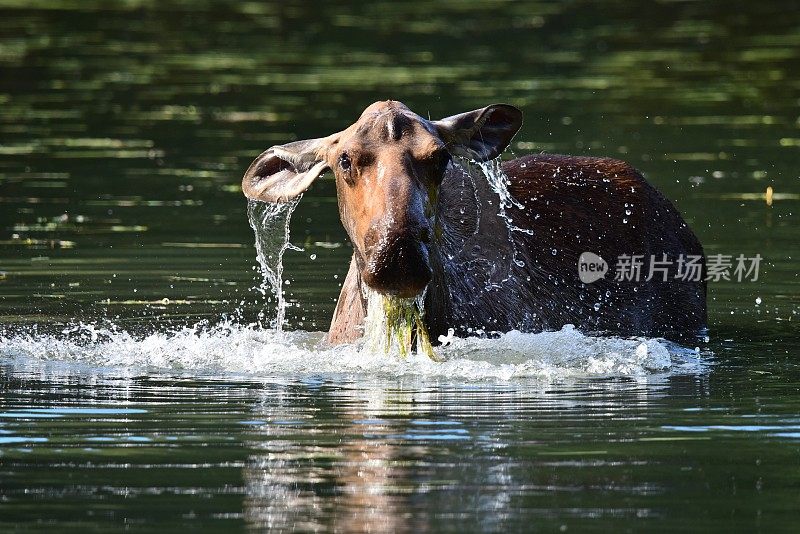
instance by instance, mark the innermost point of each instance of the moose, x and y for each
(426, 222)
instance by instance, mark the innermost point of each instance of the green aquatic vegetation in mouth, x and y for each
(397, 321)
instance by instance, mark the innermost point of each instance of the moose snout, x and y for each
(398, 262)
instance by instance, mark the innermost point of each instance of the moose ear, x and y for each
(482, 134)
(283, 172)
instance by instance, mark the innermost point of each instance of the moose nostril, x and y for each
(425, 235)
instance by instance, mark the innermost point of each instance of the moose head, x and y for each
(389, 167)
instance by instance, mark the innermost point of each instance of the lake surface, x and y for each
(142, 384)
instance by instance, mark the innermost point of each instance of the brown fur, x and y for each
(571, 204)
(420, 216)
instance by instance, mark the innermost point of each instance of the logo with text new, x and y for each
(591, 267)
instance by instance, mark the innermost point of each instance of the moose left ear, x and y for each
(482, 134)
(283, 172)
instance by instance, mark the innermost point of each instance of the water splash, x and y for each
(270, 223)
(232, 349)
(499, 182)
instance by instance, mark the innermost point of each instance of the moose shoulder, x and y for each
(416, 203)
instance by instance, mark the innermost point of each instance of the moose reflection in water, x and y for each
(484, 246)
(363, 482)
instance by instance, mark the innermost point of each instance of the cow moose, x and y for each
(424, 219)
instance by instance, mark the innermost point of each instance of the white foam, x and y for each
(246, 350)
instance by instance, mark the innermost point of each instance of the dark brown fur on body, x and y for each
(571, 205)
(422, 216)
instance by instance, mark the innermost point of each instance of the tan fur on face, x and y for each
(392, 152)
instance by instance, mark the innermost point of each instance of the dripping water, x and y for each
(396, 323)
(498, 181)
(270, 223)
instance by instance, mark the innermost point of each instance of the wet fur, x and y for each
(571, 205)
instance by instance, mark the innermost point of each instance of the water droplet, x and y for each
(758, 300)
(596, 306)
(554, 252)
(313, 256)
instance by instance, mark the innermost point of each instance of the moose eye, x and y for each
(344, 161)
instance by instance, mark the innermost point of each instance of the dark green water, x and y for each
(125, 128)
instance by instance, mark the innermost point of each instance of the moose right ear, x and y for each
(283, 172)
(482, 134)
